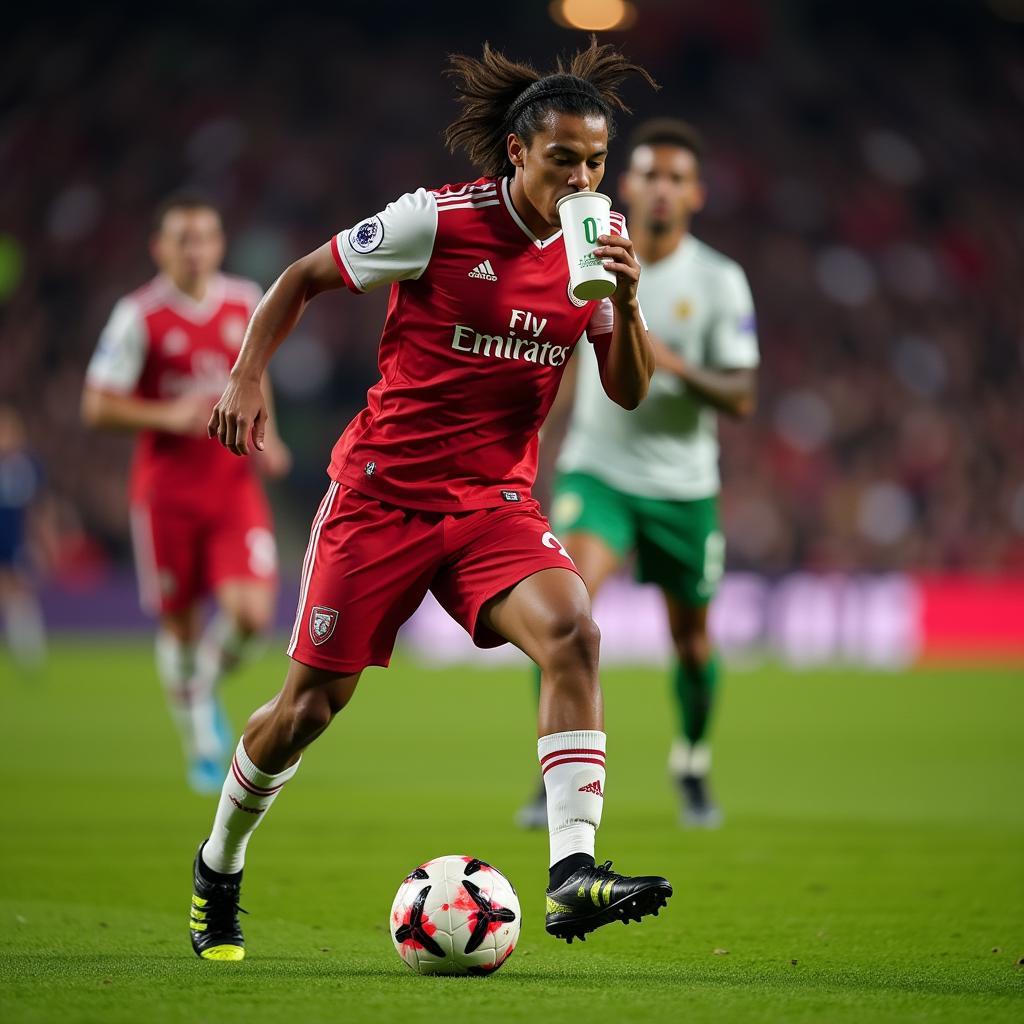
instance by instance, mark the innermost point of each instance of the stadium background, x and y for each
(865, 168)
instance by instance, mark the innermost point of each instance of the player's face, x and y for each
(189, 246)
(662, 187)
(568, 155)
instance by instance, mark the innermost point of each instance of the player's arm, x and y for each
(112, 411)
(108, 398)
(243, 407)
(733, 392)
(277, 459)
(394, 245)
(729, 380)
(624, 355)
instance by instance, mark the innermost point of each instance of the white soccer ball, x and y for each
(455, 915)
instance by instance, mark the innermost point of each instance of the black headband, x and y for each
(537, 93)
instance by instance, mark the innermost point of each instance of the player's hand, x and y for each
(617, 254)
(188, 414)
(241, 410)
(276, 459)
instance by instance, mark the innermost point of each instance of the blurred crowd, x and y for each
(865, 171)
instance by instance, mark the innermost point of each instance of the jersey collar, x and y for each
(506, 198)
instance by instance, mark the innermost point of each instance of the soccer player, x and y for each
(199, 518)
(646, 484)
(20, 484)
(430, 483)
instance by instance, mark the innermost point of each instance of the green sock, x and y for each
(694, 688)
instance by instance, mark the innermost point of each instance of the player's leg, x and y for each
(366, 570)
(695, 685)
(680, 548)
(245, 611)
(240, 568)
(192, 702)
(168, 555)
(596, 561)
(192, 710)
(266, 757)
(597, 530)
(547, 615)
(23, 617)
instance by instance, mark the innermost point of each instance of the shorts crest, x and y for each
(322, 621)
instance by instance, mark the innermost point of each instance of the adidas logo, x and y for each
(593, 787)
(242, 807)
(484, 271)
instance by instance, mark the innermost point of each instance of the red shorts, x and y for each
(184, 552)
(369, 565)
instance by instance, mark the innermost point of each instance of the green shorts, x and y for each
(678, 544)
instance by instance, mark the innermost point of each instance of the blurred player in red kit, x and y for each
(199, 518)
(430, 483)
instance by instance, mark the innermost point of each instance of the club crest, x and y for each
(367, 235)
(579, 303)
(322, 621)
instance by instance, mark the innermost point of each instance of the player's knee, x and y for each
(572, 641)
(693, 646)
(252, 621)
(311, 713)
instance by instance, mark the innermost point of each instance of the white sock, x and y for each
(685, 758)
(192, 706)
(573, 767)
(246, 795)
(26, 634)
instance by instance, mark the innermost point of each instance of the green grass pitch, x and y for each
(871, 867)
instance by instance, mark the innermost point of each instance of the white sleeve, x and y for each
(120, 355)
(732, 344)
(603, 319)
(393, 245)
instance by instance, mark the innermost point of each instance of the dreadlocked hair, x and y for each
(499, 96)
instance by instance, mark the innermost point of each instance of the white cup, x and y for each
(584, 216)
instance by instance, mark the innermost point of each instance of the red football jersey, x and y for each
(160, 343)
(480, 325)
